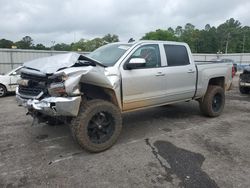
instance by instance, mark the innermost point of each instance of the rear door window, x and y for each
(176, 55)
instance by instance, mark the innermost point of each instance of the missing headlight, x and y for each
(57, 89)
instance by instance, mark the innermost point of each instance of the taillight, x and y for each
(233, 72)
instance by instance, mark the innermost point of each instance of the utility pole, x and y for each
(243, 45)
(227, 42)
(53, 46)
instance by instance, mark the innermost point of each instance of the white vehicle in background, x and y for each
(8, 82)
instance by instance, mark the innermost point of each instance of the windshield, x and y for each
(109, 54)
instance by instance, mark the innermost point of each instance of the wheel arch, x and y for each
(97, 92)
(4, 88)
(217, 81)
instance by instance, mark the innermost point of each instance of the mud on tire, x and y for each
(97, 126)
(213, 102)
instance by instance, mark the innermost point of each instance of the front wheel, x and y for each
(213, 102)
(3, 91)
(97, 126)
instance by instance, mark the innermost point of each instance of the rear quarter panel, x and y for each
(207, 71)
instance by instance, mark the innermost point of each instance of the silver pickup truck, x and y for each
(91, 92)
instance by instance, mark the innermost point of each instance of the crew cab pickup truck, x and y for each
(91, 92)
(8, 82)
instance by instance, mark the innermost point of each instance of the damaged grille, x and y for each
(35, 85)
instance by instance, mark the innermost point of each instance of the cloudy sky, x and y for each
(70, 20)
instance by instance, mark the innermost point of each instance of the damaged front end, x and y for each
(47, 94)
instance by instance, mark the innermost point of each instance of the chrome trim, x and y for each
(28, 96)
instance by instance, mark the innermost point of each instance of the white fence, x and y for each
(12, 58)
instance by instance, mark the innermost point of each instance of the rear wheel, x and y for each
(3, 90)
(97, 126)
(213, 102)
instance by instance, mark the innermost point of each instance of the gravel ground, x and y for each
(171, 146)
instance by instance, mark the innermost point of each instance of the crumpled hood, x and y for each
(51, 64)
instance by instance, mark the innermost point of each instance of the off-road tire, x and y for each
(3, 90)
(243, 90)
(206, 104)
(79, 125)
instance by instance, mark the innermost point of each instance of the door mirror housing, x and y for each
(136, 63)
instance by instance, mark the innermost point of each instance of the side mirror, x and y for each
(136, 63)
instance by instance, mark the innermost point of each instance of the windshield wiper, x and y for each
(85, 58)
(84, 63)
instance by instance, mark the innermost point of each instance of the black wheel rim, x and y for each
(217, 102)
(101, 127)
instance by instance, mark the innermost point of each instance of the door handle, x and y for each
(160, 74)
(191, 71)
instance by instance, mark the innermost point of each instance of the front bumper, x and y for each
(52, 106)
(244, 84)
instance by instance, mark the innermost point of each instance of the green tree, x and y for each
(94, 44)
(25, 43)
(40, 47)
(160, 34)
(170, 30)
(80, 45)
(191, 36)
(229, 34)
(245, 40)
(88, 45)
(6, 43)
(208, 42)
(207, 27)
(189, 27)
(62, 47)
(178, 31)
(111, 38)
